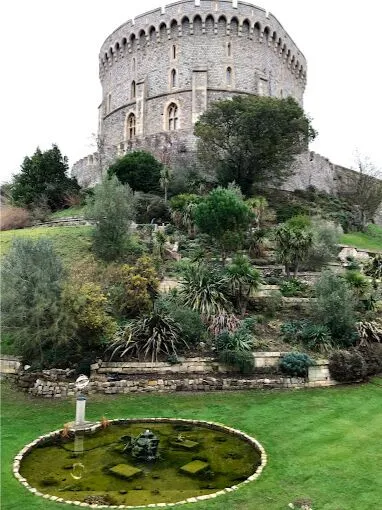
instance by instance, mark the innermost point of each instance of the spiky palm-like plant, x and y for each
(149, 336)
(204, 289)
(242, 280)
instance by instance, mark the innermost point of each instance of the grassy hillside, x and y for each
(362, 240)
(71, 243)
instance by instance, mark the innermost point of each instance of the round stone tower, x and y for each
(160, 71)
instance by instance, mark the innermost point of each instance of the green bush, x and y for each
(242, 360)
(347, 366)
(372, 354)
(295, 364)
(316, 337)
(239, 340)
(335, 307)
(326, 236)
(293, 287)
(291, 330)
(271, 303)
(357, 281)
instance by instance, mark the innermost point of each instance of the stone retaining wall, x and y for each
(192, 374)
(9, 365)
(57, 389)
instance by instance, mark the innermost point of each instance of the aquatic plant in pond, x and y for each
(190, 460)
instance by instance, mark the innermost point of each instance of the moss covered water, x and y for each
(193, 460)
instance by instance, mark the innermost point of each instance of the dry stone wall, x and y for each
(195, 374)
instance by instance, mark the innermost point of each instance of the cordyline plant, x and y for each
(149, 336)
(204, 289)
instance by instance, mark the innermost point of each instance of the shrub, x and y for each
(291, 330)
(369, 332)
(139, 169)
(372, 354)
(151, 335)
(347, 366)
(335, 308)
(112, 207)
(133, 288)
(293, 287)
(239, 340)
(242, 360)
(374, 268)
(150, 208)
(357, 281)
(14, 217)
(32, 278)
(190, 322)
(316, 337)
(223, 322)
(326, 236)
(295, 364)
(204, 289)
(88, 306)
(294, 243)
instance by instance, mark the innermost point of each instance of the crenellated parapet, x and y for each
(220, 18)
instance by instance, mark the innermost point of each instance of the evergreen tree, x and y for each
(44, 180)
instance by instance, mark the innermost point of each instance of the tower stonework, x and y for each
(160, 71)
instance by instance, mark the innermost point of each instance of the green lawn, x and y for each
(322, 444)
(72, 243)
(362, 240)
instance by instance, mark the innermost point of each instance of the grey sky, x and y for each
(50, 86)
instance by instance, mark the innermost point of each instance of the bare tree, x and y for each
(363, 188)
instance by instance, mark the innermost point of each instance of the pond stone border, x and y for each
(92, 428)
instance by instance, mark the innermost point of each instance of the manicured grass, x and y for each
(322, 444)
(362, 240)
(72, 243)
(74, 211)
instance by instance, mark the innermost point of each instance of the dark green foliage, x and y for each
(335, 308)
(294, 241)
(243, 279)
(252, 139)
(242, 360)
(44, 180)
(234, 348)
(239, 340)
(193, 328)
(294, 287)
(357, 281)
(271, 303)
(149, 336)
(313, 336)
(374, 267)
(204, 289)
(140, 170)
(326, 237)
(225, 218)
(113, 209)
(372, 354)
(32, 308)
(295, 364)
(347, 366)
(150, 208)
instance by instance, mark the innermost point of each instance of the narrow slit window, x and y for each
(228, 49)
(229, 76)
(173, 78)
(174, 52)
(133, 90)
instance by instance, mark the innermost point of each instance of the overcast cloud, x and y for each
(51, 90)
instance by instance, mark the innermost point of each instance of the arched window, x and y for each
(229, 76)
(172, 117)
(133, 90)
(173, 78)
(131, 126)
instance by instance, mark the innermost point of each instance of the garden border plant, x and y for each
(94, 427)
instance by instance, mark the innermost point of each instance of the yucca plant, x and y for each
(369, 332)
(242, 280)
(149, 336)
(205, 290)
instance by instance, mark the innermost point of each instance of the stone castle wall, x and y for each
(187, 54)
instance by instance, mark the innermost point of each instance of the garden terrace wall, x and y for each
(117, 378)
